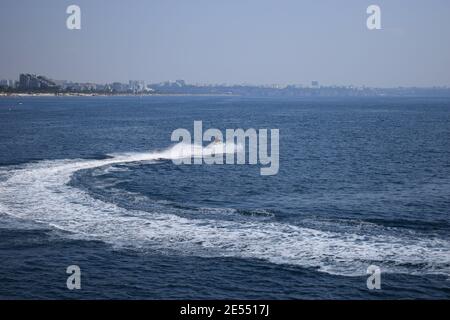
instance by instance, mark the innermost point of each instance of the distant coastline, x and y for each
(20, 95)
(42, 86)
(404, 92)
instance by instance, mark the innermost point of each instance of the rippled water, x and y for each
(88, 181)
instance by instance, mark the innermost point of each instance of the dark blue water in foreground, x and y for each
(361, 182)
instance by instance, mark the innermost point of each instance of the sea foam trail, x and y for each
(40, 192)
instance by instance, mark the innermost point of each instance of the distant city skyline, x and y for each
(32, 84)
(258, 42)
(32, 81)
(140, 84)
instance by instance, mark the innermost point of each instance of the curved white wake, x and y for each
(40, 192)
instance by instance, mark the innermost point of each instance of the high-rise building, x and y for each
(34, 82)
(24, 81)
(119, 87)
(137, 85)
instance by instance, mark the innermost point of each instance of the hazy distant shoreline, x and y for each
(323, 92)
(22, 95)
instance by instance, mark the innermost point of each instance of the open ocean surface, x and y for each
(361, 182)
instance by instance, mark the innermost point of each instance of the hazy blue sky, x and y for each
(232, 41)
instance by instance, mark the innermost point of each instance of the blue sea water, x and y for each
(361, 182)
